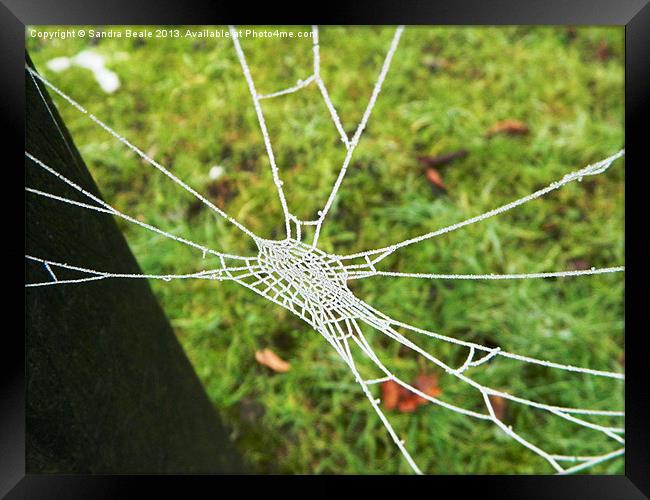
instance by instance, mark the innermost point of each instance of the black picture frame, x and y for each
(633, 14)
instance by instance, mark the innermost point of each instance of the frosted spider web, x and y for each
(312, 284)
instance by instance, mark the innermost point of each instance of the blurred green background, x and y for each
(185, 102)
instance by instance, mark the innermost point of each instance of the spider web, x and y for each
(312, 284)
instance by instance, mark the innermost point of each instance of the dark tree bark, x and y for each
(109, 388)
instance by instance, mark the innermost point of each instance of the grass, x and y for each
(185, 102)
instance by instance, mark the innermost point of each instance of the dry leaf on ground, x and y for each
(443, 159)
(396, 396)
(434, 177)
(408, 405)
(268, 358)
(509, 127)
(428, 384)
(390, 394)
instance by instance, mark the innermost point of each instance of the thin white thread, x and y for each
(109, 209)
(295, 88)
(262, 122)
(49, 270)
(211, 274)
(56, 123)
(360, 128)
(555, 274)
(594, 169)
(323, 88)
(594, 461)
(143, 155)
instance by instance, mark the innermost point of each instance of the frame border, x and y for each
(634, 14)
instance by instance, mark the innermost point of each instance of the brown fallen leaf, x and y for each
(408, 405)
(428, 384)
(434, 177)
(268, 358)
(498, 406)
(509, 127)
(390, 394)
(395, 396)
(443, 159)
